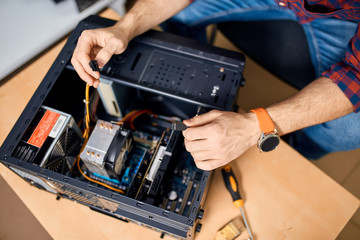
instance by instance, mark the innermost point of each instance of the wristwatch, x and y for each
(269, 138)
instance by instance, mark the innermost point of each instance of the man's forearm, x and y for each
(146, 14)
(217, 137)
(319, 102)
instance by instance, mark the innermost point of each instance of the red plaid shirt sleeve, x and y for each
(346, 74)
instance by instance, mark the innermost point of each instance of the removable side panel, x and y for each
(206, 79)
(193, 78)
(129, 65)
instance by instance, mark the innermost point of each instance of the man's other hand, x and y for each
(217, 137)
(97, 44)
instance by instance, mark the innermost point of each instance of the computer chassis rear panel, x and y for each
(166, 74)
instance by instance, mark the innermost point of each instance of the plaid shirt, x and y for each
(346, 74)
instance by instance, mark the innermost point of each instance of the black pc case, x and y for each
(170, 76)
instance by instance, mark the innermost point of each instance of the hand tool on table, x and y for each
(232, 230)
(233, 187)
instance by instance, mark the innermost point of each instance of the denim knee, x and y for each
(342, 134)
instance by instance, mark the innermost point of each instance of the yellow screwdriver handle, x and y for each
(232, 185)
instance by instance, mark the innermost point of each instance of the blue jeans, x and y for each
(327, 40)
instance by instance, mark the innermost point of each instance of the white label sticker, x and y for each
(58, 126)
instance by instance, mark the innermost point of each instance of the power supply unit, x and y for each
(118, 153)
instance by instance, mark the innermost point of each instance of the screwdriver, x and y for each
(233, 187)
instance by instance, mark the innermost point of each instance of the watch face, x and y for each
(269, 143)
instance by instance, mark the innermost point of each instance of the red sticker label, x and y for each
(43, 129)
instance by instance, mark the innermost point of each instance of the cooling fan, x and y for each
(64, 152)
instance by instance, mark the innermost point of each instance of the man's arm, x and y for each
(218, 137)
(319, 102)
(101, 44)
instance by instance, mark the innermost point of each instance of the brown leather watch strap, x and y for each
(265, 122)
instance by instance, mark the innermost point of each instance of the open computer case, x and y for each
(133, 166)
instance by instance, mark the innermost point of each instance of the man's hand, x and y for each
(217, 137)
(99, 44)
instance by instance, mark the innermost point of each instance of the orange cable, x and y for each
(126, 117)
(98, 182)
(136, 115)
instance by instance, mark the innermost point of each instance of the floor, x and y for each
(342, 167)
